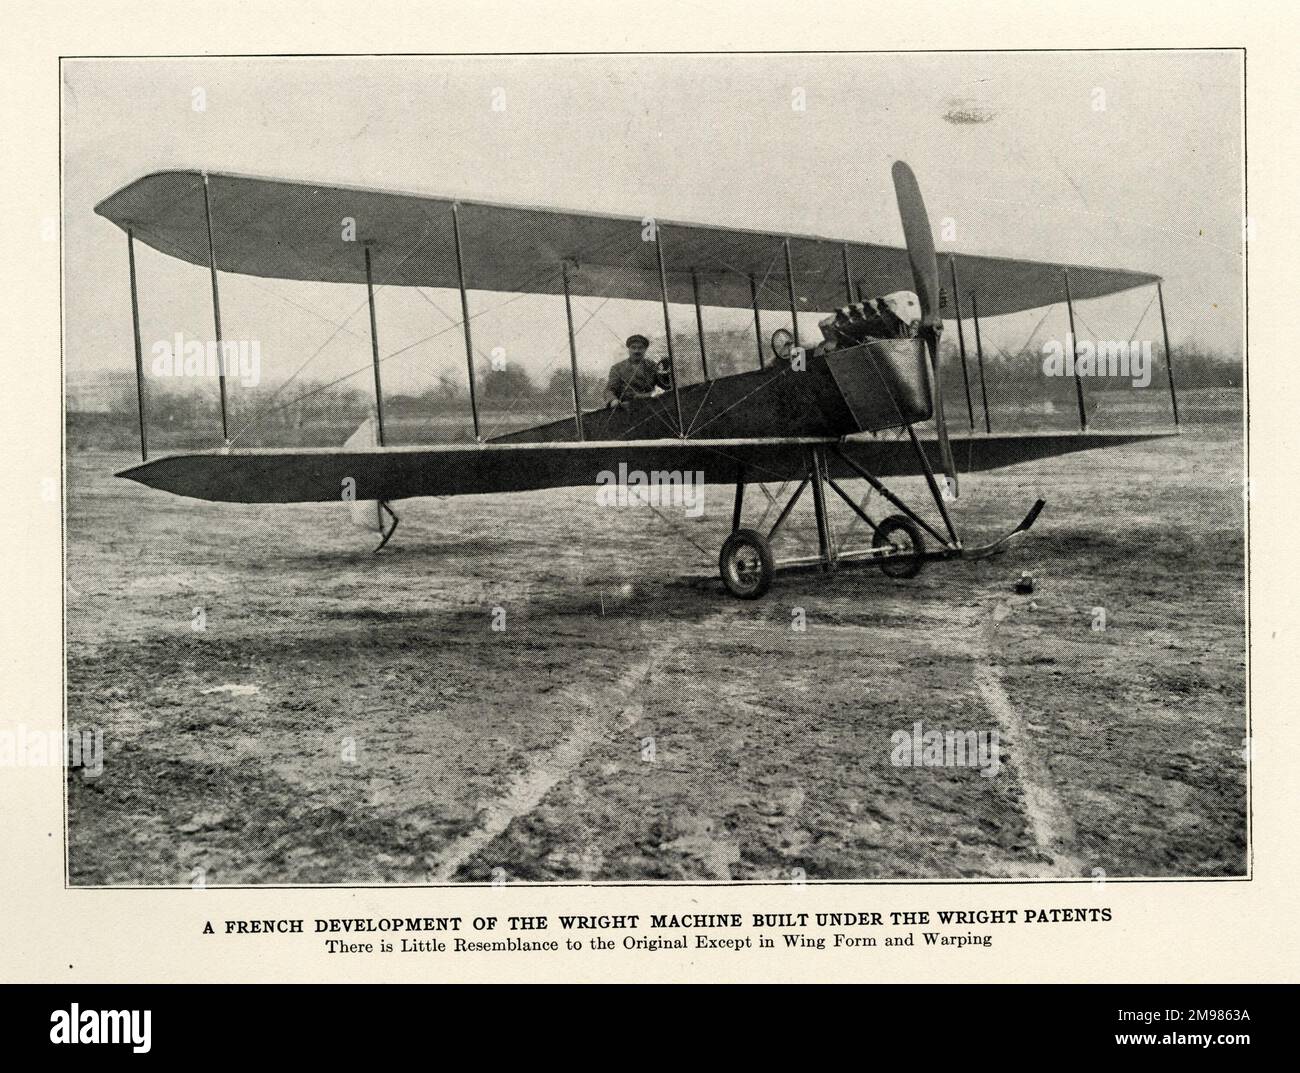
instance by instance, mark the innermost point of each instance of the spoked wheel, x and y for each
(905, 537)
(746, 564)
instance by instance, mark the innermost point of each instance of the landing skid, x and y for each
(748, 566)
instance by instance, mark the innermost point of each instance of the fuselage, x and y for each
(867, 388)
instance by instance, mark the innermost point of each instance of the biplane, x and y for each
(807, 415)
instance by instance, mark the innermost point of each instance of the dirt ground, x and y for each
(280, 705)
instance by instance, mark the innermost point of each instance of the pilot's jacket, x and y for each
(635, 376)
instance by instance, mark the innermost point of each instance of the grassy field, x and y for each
(342, 716)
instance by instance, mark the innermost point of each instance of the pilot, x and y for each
(636, 376)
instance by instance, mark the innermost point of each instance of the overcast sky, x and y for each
(1016, 148)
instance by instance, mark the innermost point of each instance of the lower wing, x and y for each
(389, 473)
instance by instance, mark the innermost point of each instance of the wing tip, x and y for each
(103, 207)
(134, 473)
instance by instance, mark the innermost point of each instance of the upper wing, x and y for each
(295, 230)
(330, 475)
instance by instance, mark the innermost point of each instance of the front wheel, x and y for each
(746, 564)
(904, 536)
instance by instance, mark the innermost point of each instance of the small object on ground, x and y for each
(203, 821)
(234, 689)
(1026, 583)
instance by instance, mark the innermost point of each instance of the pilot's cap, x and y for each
(634, 339)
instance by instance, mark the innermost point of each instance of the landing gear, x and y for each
(904, 538)
(898, 543)
(746, 564)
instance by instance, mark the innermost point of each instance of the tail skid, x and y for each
(385, 508)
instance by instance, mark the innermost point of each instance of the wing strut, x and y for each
(668, 327)
(374, 350)
(216, 308)
(699, 322)
(979, 358)
(139, 361)
(848, 275)
(464, 315)
(573, 350)
(794, 305)
(1074, 353)
(961, 340)
(1169, 354)
(758, 326)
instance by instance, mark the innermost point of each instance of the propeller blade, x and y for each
(925, 279)
(920, 242)
(940, 421)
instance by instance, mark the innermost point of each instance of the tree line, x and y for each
(510, 387)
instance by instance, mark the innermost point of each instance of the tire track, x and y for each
(527, 789)
(1046, 815)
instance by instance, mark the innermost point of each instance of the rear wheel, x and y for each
(746, 564)
(904, 536)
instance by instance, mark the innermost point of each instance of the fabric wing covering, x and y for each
(295, 230)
